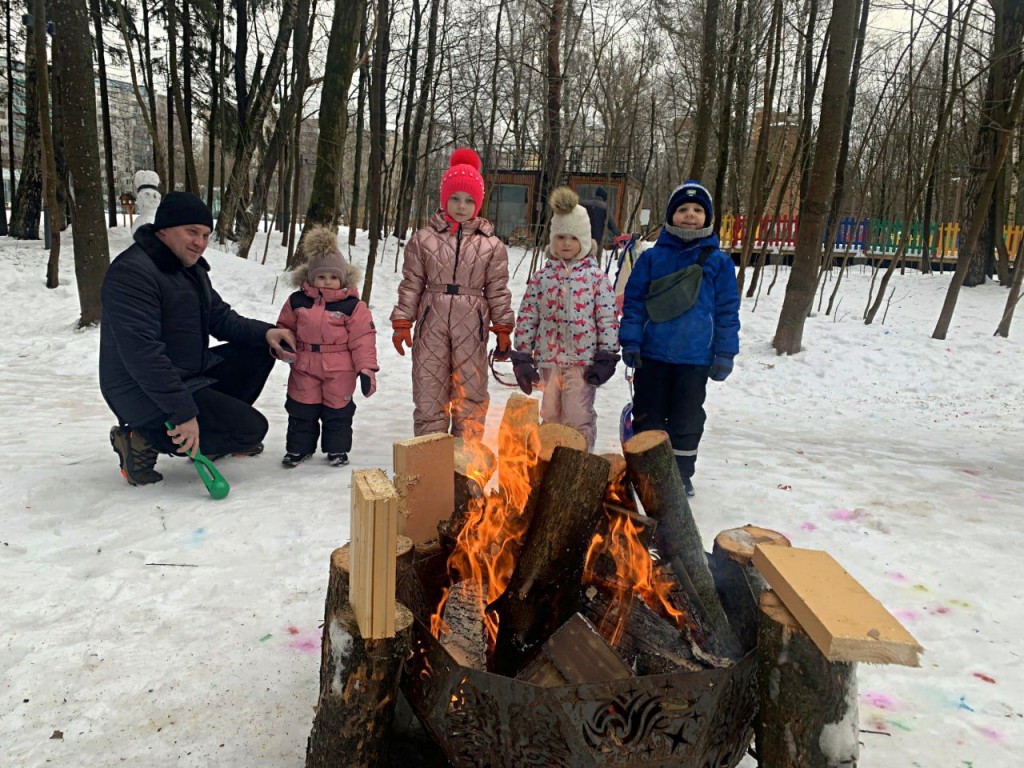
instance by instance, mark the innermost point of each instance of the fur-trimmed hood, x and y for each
(353, 275)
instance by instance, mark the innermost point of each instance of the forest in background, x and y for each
(907, 111)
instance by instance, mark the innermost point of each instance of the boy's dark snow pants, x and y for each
(670, 397)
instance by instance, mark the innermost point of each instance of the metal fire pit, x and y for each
(681, 719)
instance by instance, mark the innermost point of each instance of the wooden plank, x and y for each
(424, 468)
(374, 552)
(517, 438)
(839, 615)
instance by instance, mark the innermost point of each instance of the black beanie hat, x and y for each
(180, 208)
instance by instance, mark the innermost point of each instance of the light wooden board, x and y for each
(374, 534)
(425, 481)
(517, 436)
(839, 615)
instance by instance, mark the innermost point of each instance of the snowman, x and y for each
(147, 198)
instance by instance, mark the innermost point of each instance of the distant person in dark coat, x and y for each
(597, 210)
(156, 365)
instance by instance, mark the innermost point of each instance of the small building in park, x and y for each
(514, 190)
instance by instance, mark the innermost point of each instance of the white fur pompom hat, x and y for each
(568, 217)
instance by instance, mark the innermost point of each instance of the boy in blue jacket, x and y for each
(680, 324)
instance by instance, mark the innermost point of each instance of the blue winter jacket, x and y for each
(709, 329)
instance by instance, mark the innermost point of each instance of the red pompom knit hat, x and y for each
(463, 175)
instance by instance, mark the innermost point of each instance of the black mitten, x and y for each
(599, 371)
(525, 370)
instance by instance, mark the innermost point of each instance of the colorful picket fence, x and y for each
(868, 237)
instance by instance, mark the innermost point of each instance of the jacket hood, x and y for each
(300, 277)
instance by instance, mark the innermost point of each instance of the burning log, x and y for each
(808, 704)
(358, 677)
(474, 465)
(544, 590)
(464, 634)
(648, 643)
(739, 583)
(576, 653)
(517, 437)
(653, 472)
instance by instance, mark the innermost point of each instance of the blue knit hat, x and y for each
(691, 192)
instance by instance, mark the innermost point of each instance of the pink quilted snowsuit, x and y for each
(336, 339)
(454, 285)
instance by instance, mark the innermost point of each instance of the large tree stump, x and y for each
(358, 679)
(653, 472)
(740, 584)
(808, 705)
(545, 587)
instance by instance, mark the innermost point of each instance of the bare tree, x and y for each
(47, 145)
(706, 99)
(814, 207)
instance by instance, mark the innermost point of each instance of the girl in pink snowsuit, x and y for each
(454, 289)
(567, 324)
(337, 344)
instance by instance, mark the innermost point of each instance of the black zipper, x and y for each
(458, 246)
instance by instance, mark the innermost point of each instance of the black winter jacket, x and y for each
(155, 331)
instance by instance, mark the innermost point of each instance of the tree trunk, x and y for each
(358, 681)
(725, 117)
(48, 149)
(409, 159)
(354, 219)
(72, 53)
(1003, 77)
(378, 140)
(324, 203)
(814, 208)
(1014, 295)
(303, 33)
(108, 143)
(256, 107)
(28, 200)
(546, 588)
(807, 716)
(10, 103)
(216, 83)
(706, 100)
(191, 176)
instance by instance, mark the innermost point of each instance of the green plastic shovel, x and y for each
(212, 478)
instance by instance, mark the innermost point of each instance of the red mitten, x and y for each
(401, 333)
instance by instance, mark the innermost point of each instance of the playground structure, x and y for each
(865, 239)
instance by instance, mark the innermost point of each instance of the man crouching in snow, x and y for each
(156, 365)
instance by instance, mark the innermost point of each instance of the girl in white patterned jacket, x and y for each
(567, 325)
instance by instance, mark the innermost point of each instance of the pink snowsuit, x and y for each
(568, 314)
(336, 339)
(454, 285)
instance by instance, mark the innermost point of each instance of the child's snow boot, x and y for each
(688, 487)
(292, 460)
(337, 459)
(137, 456)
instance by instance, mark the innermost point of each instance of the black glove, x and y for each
(631, 357)
(525, 370)
(599, 371)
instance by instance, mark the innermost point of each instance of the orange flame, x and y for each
(635, 574)
(489, 541)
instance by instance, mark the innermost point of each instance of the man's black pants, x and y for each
(227, 421)
(670, 397)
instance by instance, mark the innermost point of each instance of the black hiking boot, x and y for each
(137, 456)
(252, 450)
(337, 459)
(292, 460)
(688, 487)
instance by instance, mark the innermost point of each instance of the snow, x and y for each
(154, 626)
(838, 740)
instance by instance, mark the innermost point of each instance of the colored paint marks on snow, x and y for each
(879, 700)
(921, 588)
(962, 704)
(266, 637)
(808, 526)
(992, 734)
(906, 614)
(195, 541)
(960, 603)
(845, 515)
(293, 630)
(308, 642)
(985, 678)
(897, 576)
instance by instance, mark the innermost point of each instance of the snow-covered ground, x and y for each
(156, 627)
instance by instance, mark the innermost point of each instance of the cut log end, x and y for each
(738, 543)
(644, 441)
(551, 436)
